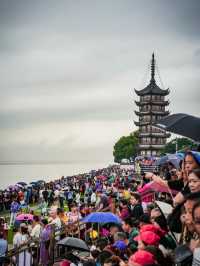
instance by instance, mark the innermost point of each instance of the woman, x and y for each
(123, 209)
(191, 162)
(194, 180)
(196, 245)
(44, 243)
(20, 239)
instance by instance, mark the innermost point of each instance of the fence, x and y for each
(148, 168)
(29, 253)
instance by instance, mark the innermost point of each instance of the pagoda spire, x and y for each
(153, 68)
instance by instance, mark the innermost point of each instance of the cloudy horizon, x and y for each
(69, 68)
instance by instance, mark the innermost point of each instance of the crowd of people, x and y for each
(146, 235)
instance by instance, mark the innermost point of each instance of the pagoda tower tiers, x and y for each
(152, 104)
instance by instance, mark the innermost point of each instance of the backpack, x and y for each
(69, 195)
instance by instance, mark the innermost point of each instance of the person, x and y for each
(123, 209)
(45, 194)
(3, 248)
(135, 206)
(147, 238)
(14, 208)
(129, 226)
(189, 234)
(45, 243)
(61, 198)
(43, 207)
(142, 258)
(55, 222)
(103, 204)
(36, 228)
(196, 220)
(74, 215)
(21, 238)
(191, 161)
(63, 217)
(166, 260)
(93, 197)
(194, 180)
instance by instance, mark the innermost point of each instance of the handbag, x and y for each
(183, 255)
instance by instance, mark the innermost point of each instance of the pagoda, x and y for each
(152, 104)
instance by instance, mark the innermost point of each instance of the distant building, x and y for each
(152, 106)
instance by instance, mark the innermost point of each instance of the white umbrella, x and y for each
(164, 207)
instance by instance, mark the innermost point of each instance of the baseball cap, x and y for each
(142, 257)
(148, 237)
(195, 154)
(120, 245)
(153, 228)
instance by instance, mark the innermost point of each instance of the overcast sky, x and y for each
(68, 70)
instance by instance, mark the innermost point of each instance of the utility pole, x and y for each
(176, 144)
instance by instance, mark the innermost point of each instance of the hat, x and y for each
(120, 245)
(153, 228)
(142, 257)
(93, 234)
(196, 155)
(149, 238)
(23, 225)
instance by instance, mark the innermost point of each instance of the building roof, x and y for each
(152, 89)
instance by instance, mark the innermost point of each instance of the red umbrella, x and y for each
(102, 177)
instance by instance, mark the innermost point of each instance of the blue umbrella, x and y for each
(173, 158)
(102, 217)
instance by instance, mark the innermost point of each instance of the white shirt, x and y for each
(56, 193)
(36, 231)
(196, 257)
(58, 225)
(93, 198)
(17, 239)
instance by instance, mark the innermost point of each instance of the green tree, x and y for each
(182, 144)
(126, 147)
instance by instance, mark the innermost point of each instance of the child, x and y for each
(135, 206)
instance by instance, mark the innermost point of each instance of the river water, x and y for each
(13, 173)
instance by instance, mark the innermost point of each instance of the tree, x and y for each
(182, 144)
(126, 147)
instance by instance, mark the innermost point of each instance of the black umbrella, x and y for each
(74, 243)
(22, 183)
(182, 124)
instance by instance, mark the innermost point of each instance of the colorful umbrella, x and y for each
(153, 186)
(24, 217)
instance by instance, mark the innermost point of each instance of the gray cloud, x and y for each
(75, 63)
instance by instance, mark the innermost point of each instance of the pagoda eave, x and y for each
(161, 103)
(142, 113)
(152, 89)
(150, 147)
(141, 123)
(156, 135)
